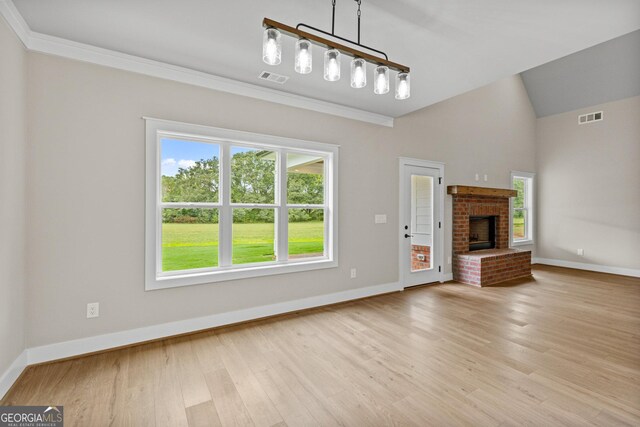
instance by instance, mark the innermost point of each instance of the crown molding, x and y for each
(15, 21)
(43, 43)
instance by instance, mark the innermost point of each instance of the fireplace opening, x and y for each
(482, 232)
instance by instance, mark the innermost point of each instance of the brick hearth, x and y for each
(489, 266)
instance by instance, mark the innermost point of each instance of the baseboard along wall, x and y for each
(88, 345)
(588, 267)
(82, 346)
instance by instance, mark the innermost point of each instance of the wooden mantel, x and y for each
(466, 190)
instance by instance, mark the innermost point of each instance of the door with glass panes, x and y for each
(420, 225)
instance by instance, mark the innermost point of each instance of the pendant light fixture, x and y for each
(304, 60)
(271, 46)
(381, 82)
(272, 54)
(332, 65)
(358, 73)
(403, 86)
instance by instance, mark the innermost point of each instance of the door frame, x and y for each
(438, 243)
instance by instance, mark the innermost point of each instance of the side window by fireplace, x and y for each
(522, 208)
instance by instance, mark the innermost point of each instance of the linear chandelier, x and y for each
(272, 55)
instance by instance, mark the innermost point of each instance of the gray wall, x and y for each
(589, 186)
(86, 189)
(12, 195)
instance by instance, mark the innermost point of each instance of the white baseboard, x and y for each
(117, 339)
(12, 373)
(447, 277)
(82, 346)
(589, 267)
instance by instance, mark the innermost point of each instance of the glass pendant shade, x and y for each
(332, 65)
(381, 80)
(271, 46)
(358, 73)
(304, 59)
(403, 86)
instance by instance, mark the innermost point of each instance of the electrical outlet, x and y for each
(449, 260)
(486, 177)
(354, 273)
(93, 310)
(580, 252)
(477, 177)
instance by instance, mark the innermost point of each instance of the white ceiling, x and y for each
(452, 46)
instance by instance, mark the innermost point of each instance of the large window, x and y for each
(224, 205)
(522, 208)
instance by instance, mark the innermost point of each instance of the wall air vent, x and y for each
(590, 117)
(273, 77)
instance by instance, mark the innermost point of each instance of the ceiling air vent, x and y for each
(590, 117)
(273, 77)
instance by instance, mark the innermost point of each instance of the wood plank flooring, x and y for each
(562, 348)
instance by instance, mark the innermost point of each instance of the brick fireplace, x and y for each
(481, 253)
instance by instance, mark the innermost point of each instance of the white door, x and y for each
(420, 222)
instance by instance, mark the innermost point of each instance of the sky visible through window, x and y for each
(177, 153)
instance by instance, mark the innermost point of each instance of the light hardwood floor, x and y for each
(560, 349)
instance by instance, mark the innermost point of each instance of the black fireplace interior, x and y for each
(482, 232)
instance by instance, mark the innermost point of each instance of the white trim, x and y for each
(521, 242)
(239, 136)
(530, 203)
(16, 22)
(43, 43)
(589, 267)
(154, 279)
(439, 244)
(61, 350)
(81, 346)
(12, 373)
(446, 277)
(410, 161)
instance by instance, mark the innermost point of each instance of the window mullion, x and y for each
(178, 205)
(297, 206)
(226, 213)
(253, 205)
(282, 212)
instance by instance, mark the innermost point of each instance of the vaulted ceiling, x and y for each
(451, 46)
(602, 73)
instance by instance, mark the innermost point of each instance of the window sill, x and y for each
(165, 282)
(522, 242)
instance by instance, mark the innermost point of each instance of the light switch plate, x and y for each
(380, 219)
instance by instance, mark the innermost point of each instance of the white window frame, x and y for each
(528, 208)
(225, 138)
